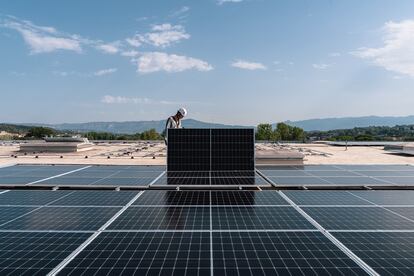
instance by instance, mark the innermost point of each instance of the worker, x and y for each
(175, 121)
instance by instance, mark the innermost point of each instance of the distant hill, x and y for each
(12, 128)
(351, 122)
(130, 127)
(308, 125)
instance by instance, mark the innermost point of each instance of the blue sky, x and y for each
(228, 61)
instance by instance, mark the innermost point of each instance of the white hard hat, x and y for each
(183, 111)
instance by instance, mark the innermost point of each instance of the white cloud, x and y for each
(156, 61)
(397, 52)
(42, 39)
(108, 99)
(105, 72)
(134, 41)
(164, 35)
(321, 66)
(247, 65)
(109, 48)
(221, 2)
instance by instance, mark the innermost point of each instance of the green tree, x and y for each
(264, 132)
(284, 131)
(40, 132)
(297, 133)
(150, 134)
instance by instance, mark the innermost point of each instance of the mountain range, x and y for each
(131, 127)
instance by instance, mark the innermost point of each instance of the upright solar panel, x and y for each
(210, 149)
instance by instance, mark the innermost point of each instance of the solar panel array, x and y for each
(164, 232)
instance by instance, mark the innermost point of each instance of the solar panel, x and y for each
(210, 149)
(387, 253)
(207, 232)
(358, 218)
(163, 218)
(252, 217)
(279, 253)
(31, 253)
(62, 218)
(150, 253)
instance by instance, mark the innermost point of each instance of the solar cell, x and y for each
(324, 198)
(252, 218)
(151, 253)
(31, 253)
(246, 198)
(279, 253)
(358, 218)
(62, 218)
(173, 198)
(96, 198)
(9, 213)
(163, 218)
(30, 197)
(388, 253)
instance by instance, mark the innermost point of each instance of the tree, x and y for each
(151, 134)
(40, 132)
(297, 134)
(264, 132)
(284, 131)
